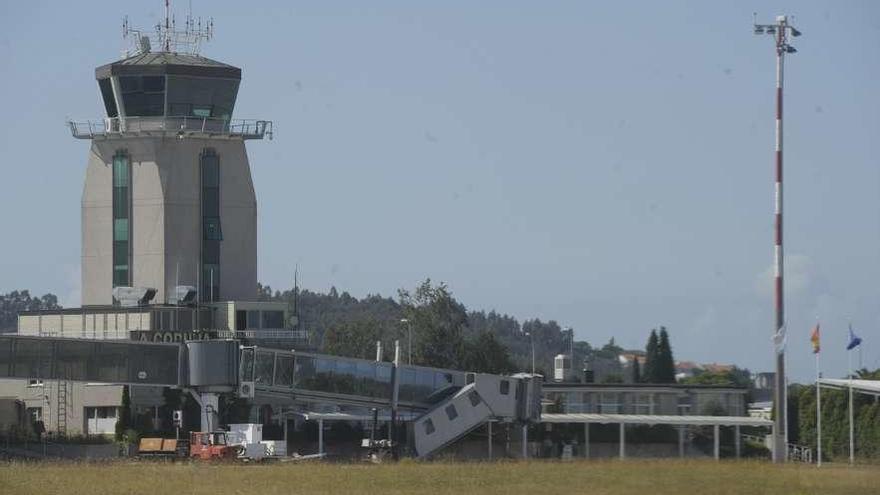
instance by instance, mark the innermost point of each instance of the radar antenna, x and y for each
(167, 37)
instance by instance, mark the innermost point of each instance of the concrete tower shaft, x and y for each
(166, 234)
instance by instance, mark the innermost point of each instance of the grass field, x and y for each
(597, 477)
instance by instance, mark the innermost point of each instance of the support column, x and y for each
(681, 441)
(284, 419)
(622, 440)
(525, 441)
(208, 408)
(320, 436)
(586, 440)
(489, 427)
(715, 440)
(737, 442)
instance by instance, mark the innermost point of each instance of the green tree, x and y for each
(123, 423)
(486, 354)
(356, 339)
(652, 357)
(665, 369)
(438, 324)
(636, 372)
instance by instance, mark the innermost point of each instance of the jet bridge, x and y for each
(451, 402)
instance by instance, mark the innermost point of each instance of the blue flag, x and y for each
(854, 340)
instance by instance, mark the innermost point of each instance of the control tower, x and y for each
(168, 197)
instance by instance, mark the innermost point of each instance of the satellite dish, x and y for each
(293, 320)
(142, 375)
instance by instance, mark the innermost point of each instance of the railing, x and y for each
(180, 126)
(264, 334)
(794, 451)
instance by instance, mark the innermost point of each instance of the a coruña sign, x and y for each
(168, 336)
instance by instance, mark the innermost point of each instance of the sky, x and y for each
(608, 165)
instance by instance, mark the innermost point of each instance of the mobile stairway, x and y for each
(484, 398)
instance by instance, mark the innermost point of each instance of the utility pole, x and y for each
(780, 32)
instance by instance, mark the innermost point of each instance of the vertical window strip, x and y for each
(211, 231)
(121, 199)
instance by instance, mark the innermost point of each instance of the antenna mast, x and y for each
(167, 36)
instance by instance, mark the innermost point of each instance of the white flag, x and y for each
(779, 340)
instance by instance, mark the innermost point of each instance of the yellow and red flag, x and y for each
(814, 338)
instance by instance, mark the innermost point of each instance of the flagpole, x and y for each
(818, 414)
(852, 451)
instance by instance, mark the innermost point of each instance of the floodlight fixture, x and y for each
(790, 49)
(795, 32)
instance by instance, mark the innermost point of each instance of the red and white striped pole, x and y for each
(780, 31)
(781, 407)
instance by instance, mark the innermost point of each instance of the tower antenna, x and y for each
(166, 35)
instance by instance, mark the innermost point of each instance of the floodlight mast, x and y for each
(780, 32)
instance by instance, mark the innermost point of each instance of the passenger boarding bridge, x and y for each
(451, 402)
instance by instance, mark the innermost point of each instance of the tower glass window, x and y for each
(212, 234)
(121, 219)
(143, 96)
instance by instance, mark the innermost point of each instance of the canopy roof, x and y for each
(870, 387)
(646, 419)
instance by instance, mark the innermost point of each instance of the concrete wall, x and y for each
(166, 217)
(79, 396)
(109, 325)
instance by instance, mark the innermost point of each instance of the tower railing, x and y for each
(182, 126)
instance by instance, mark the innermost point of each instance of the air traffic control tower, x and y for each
(168, 197)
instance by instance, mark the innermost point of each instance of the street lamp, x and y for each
(780, 32)
(408, 339)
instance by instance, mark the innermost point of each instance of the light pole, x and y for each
(408, 339)
(780, 32)
(532, 339)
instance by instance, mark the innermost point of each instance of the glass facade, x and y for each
(201, 97)
(121, 219)
(212, 234)
(143, 96)
(111, 362)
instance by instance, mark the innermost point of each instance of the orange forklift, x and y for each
(201, 445)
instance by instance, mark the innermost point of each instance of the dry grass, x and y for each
(656, 477)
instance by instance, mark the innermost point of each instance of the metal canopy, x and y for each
(654, 419)
(869, 387)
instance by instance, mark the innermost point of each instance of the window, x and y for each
(212, 233)
(201, 97)
(505, 387)
(34, 414)
(643, 403)
(253, 319)
(609, 403)
(474, 398)
(429, 426)
(35, 382)
(451, 412)
(121, 171)
(143, 96)
(212, 229)
(273, 319)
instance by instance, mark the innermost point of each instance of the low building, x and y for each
(645, 399)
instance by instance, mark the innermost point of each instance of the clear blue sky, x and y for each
(607, 165)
